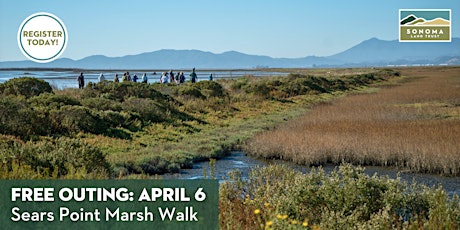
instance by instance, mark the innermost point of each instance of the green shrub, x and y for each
(190, 91)
(239, 83)
(154, 165)
(64, 153)
(274, 83)
(293, 89)
(74, 119)
(211, 88)
(52, 101)
(338, 84)
(122, 91)
(25, 86)
(147, 109)
(259, 88)
(298, 84)
(102, 104)
(52, 159)
(345, 199)
(18, 118)
(362, 79)
(319, 84)
(150, 165)
(114, 119)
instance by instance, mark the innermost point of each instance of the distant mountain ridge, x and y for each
(372, 52)
(379, 51)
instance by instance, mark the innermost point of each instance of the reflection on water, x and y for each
(239, 161)
(68, 79)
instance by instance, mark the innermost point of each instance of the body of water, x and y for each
(68, 79)
(240, 161)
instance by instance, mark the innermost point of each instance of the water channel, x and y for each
(240, 161)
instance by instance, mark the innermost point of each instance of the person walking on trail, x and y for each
(115, 79)
(181, 77)
(164, 78)
(135, 78)
(210, 77)
(177, 77)
(193, 76)
(101, 77)
(81, 81)
(144, 78)
(171, 76)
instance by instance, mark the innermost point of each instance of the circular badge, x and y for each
(42, 37)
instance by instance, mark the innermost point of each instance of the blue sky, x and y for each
(290, 28)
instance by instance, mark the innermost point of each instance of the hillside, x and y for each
(373, 52)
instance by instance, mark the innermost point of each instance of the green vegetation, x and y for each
(153, 129)
(25, 86)
(56, 158)
(134, 130)
(276, 197)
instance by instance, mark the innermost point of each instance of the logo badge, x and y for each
(423, 25)
(42, 37)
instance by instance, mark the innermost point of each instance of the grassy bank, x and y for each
(276, 197)
(414, 125)
(153, 129)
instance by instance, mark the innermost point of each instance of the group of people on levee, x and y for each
(166, 77)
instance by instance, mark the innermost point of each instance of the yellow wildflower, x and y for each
(279, 216)
(305, 224)
(294, 222)
(269, 224)
(267, 204)
(257, 211)
(315, 227)
(285, 216)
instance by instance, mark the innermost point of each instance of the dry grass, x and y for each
(413, 125)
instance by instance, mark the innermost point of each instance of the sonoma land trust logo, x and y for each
(424, 25)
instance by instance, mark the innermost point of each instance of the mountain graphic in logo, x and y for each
(413, 20)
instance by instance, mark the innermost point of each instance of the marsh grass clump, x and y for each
(414, 125)
(281, 198)
(60, 158)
